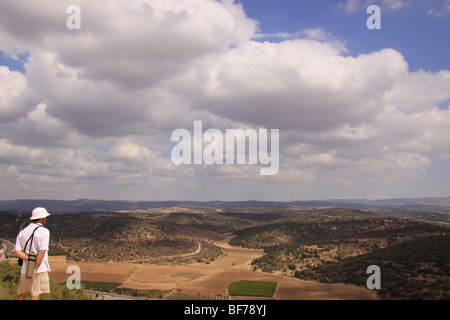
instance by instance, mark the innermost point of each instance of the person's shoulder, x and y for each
(28, 228)
(43, 230)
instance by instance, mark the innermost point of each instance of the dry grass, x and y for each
(206, 279)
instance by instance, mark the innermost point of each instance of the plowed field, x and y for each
(202, 278)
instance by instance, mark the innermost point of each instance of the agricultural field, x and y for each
(253, 288)
(309, 253)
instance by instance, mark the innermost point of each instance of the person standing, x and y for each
(38, 245)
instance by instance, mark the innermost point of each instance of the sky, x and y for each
(90, 112)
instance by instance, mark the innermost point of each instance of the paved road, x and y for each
(7, 245)
(110, 296)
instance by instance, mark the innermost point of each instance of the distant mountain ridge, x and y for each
(90, 205)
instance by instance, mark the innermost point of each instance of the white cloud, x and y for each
(313, 87)
(442, 11)
(12, 88)
(134, 45)
(391, 5)
(95, 109)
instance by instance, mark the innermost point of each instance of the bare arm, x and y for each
(24, 256)
(39, 258)
(20, 254)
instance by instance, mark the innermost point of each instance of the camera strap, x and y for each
(32, 238)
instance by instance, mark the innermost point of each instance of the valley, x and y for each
(310, 252)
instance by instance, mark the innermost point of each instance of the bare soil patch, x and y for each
(201, 278)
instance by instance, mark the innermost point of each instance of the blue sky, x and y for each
(14, 64)
(421, 37)
(89, 113)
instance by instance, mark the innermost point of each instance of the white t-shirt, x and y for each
(40, 242)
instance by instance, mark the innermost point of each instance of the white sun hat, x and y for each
(39, 213)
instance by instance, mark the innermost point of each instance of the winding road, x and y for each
(7, 245)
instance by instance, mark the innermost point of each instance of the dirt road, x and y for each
(212, 278)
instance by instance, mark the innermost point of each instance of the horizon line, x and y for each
(218, 200)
